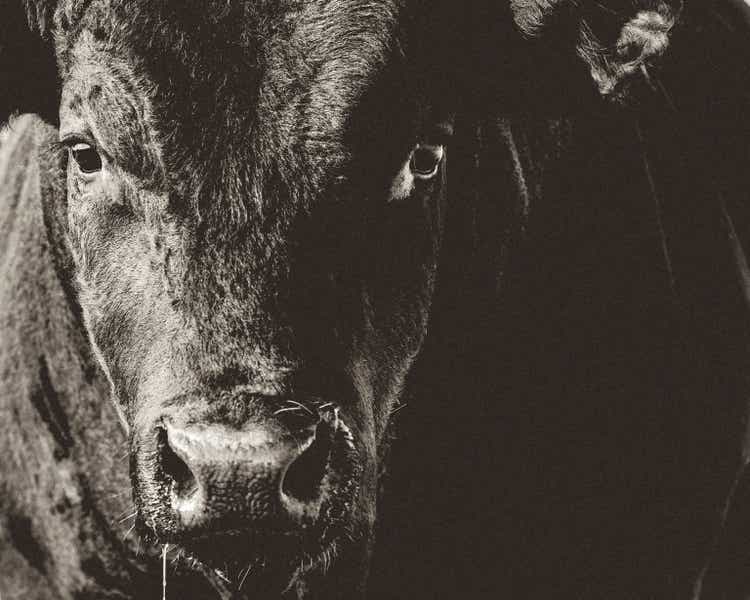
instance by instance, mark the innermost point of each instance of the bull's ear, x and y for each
(618, 40)
(637, 44)
(28, 72)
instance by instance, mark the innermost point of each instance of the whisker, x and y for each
(398, 408)
(287, 409)
(222, 576)
(129, 531)
(244, 577)
(302, 406)
(128, 517)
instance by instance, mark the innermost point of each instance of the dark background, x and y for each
(579, 416)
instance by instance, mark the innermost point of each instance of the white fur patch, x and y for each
(403, 184)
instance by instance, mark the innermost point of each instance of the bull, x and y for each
(231, 228)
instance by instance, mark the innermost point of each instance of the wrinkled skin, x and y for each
(251, 250)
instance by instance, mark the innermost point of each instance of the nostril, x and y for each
(304, 476)
(183, 482)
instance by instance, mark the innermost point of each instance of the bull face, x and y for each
(254, 218)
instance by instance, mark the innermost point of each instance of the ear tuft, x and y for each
(645, 36)
(642, 40)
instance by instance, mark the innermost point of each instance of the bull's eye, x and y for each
(425, 160)
(421, 165)
(86, 157)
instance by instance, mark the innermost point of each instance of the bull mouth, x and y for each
(266, 559)
(269, 574)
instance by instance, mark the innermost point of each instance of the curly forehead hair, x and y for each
(229, 59)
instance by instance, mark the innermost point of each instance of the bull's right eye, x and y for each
(86, 157)
(422, 164)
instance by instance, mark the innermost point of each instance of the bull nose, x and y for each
(221, 478)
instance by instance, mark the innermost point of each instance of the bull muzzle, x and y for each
(197, 476)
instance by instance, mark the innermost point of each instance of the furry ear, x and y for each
(617, 39)
(28, 71)
(641, 41)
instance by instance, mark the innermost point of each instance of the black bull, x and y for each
(575, 425)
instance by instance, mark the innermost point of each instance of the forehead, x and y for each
(245, 28)
(232, 47)
(287, 71)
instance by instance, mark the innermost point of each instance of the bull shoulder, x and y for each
(61, 441)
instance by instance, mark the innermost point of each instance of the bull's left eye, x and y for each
(86, 156)
(425, 160)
